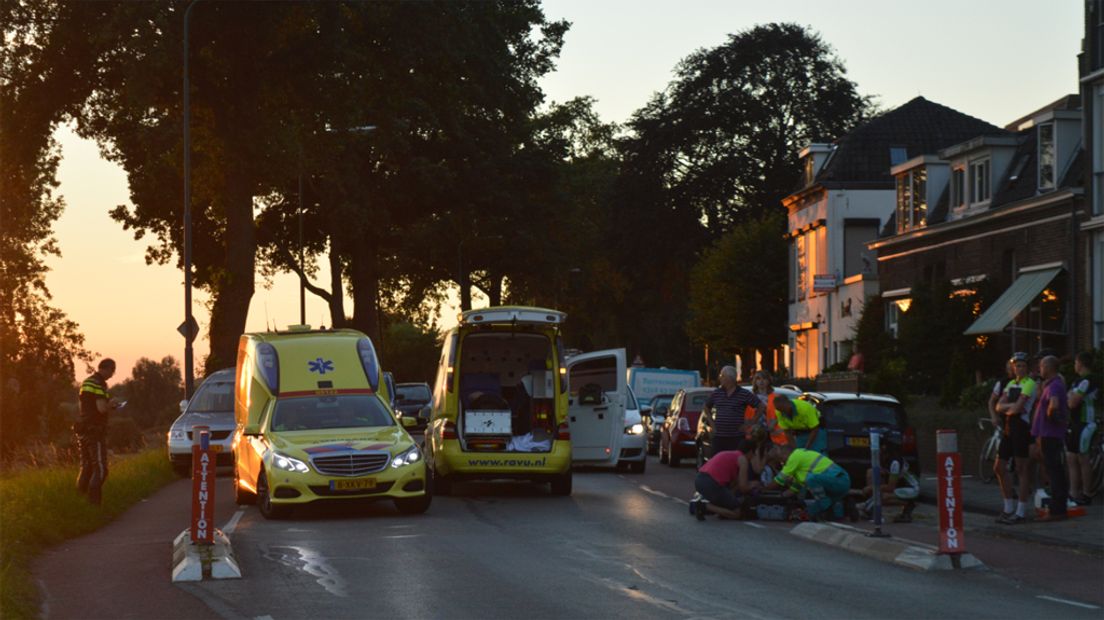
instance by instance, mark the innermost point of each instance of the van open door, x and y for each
(596, 406)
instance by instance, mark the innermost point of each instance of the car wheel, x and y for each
(561, 484)
(622, 465)
(264, 501)
(413, 505)
(638, 467)
(442, 485)
(242, 496)
(182, 470)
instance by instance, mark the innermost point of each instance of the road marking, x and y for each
(648, 489)
(750, 524)
(263, 618)
(1062, 600)
(404, 536)
(228, 529)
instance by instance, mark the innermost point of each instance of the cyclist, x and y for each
(1016, 404)
(1084, 407)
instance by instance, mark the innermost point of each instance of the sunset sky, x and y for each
(995, 59)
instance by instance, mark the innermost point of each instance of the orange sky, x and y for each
(993, 59)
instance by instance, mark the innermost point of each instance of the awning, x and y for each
(1009, 304)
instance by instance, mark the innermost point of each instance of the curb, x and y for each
(192, 562)
(905, 553)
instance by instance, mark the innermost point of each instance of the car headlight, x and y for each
(407, 457)
(635, 429)
(177, 434)
(286, 463)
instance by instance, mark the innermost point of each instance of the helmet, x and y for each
(1018, 356)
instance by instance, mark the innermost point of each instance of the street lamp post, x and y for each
(189, 321)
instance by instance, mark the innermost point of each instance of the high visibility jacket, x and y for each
(805, 417)
(801, 463)
(92, 390)
(770, 421)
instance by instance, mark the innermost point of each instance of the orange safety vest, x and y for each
(777, 435)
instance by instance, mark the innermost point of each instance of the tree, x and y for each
(153, 390)
(718, 147)
(732, 297)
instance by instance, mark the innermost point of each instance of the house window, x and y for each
(894, 309)
(979, 181)
(1097, 129)
(897, 155)
(912, 199)
(1046, 156)
(958, 187)
(809, 170)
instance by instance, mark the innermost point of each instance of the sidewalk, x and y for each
(1084, 534)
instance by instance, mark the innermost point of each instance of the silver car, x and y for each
(634, 445)
(211, 405)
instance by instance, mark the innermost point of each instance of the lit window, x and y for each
(1046, 156)
(979, 181)
(912, 199)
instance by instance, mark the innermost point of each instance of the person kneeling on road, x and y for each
(802, 469)
(899, 486)
(723, 483)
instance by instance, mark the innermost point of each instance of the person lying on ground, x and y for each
(899, 486)
(809, 470)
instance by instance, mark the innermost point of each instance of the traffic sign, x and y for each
(189, 329)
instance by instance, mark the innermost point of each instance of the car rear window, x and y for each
(697, 401)
(311, 413)
(862, 412)
(412, 393)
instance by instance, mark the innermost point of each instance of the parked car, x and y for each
(654, 415)
(634, 444)
(848, 418)
(679, 427)
(211, 405)
(704, 436)
(411, 400)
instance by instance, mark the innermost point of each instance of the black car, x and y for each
(411, 400)
(653, 414)
(848, 419)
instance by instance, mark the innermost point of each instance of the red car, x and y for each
(680, 426)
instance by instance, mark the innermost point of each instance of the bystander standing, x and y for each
(1083, 400)
(1049, 424)
(726, 404)
(1015, 404)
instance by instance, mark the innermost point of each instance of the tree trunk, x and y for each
(364, 278)
(465, 292)
(495, 294)
(234, 288)
(337, 288)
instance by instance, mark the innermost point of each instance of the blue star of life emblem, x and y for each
(321, 366)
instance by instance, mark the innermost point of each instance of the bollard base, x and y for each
(196, 562)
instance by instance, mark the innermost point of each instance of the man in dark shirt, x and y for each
(91, 429)
(727, 404)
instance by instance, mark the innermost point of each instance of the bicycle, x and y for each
(990, 449)
(1096, 458)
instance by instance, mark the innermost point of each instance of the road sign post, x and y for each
(876, 481)
(203, 487)
(949, 472)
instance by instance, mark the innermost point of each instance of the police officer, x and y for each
(91, 429)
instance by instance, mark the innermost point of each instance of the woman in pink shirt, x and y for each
(723, 482)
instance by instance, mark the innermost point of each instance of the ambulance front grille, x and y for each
(351, 463)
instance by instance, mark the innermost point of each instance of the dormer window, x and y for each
(810, 169)
(979, 181)
(1046, 156)
(958, 187)
(912, 199)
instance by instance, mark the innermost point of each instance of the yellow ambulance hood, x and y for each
(341, 440)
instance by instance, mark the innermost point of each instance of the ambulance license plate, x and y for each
(357, 484)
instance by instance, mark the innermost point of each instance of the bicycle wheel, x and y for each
(987, 459)
(1097, 460)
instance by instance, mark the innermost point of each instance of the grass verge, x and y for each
(41, 507)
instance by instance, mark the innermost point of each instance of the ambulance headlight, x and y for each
(408, 457)
(287, 463)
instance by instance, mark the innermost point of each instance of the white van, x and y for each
(596, 406)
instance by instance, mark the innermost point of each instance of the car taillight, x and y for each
(683, 424)
(563, 432)
(908, 441)
(449, 431)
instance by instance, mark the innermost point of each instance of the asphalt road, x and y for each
(622, 545)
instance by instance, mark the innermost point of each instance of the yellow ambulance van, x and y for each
(314, 423)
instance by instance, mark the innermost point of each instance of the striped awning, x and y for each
(997, 316)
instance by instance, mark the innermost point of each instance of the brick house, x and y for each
(847, 195)
(1091, 238)
(1001, 209)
